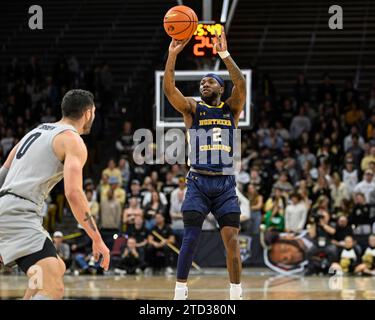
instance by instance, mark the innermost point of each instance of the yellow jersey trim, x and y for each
(208, 106)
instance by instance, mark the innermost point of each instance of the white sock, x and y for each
(235, 291)
(180, 291)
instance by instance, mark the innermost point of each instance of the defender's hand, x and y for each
(176, 46)
(220, 41)
(100, 249)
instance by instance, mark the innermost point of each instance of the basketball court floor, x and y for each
(258, 284)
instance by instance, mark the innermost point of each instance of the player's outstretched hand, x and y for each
(220, 41)
(176, 46)
(100, 249)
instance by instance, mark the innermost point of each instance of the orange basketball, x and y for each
(180, 22)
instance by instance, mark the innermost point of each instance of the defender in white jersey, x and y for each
(36, 164)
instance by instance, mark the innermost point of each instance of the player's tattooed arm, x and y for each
(91, 221)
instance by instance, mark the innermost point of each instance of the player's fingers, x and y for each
(105, 261)
(96, 255)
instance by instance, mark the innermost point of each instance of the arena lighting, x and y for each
(224, 11)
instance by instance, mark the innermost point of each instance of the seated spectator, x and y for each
(62, 249)
(350, 176)
(300, 123)
(140, 234)
(94, 205)
(368, 158)
(348, 140)
(342, 229)
(159, 254)
(110, 218)
(118, 192)
(131, 262)
(321, 188)
(305, 156)
(124, 143)
(367, 267)
(135, 191)
(130, 213)
(256, 205)
(89, 185)
(356, 150)
(349, 257)
(153, 207)
(360, 215)
(338, 191)
(275, 211)
(124, 167)
(113, 171)
(283, 184)
(366, 186)
(177, 198)
(103, 187)
(295, 214)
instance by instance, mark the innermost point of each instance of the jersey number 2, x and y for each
(26, 145)
(216, 134)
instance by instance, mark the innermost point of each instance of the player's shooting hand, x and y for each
(100, 249)
(220, 41)
(176, 46)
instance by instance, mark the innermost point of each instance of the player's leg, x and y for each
(45, 271)
(193, 222)
(229, 229)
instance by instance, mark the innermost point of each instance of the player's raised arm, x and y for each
(237, 99)
(185, 105)
(6, 166)
(75, 158)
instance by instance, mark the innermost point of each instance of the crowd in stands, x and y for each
(308, 161)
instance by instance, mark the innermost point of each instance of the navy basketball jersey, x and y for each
(211, 139)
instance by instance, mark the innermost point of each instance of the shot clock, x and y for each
(202, 39)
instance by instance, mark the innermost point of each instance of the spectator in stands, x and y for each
(103, 187)
(300, 123)
(105, 85)
(256, 205)
(88, 185)
(8, 142)
(110, 218)
(177, 198)
(283, 184)
(118, 192)
(113, 171)
(338, 191)
(306, 155)
(349, 257)
(275, 210)
(94, 205)
(360, 215)
(135, 191)
(368, 158)
(153, 207)
(131, 262)
(321, 188)
(370, 127)
(272, 140)
(354, 115)
(125, 143)
(134, 210)
(348, 140)
(160, 236)
(62, 249)
(124, 168)
(140, 234)
(350, 175)
(366, 186)
(367, 267)
(342, 229)
(295, 214)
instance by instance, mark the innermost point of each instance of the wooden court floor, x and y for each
(212, 284)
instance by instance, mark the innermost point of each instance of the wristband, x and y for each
(223, 54)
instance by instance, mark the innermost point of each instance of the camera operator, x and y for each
(323, 253)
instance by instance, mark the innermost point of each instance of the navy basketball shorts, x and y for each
(215, 194)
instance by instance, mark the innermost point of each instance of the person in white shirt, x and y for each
(295, 214)
(350, 176)
(177, 198)
(366, 185)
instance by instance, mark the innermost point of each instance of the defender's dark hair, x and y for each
(75, 102)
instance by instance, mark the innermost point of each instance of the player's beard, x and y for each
(87, 126)
(209, 99)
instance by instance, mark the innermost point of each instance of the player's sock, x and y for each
(235, 291)
(180, 291)
(39, 296)
(188, 246)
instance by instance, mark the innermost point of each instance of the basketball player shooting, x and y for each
(35, 165)
(210, 188)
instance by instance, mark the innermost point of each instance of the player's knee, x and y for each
(193, 219)
(58, 290)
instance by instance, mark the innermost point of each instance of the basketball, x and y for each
(180, 22)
